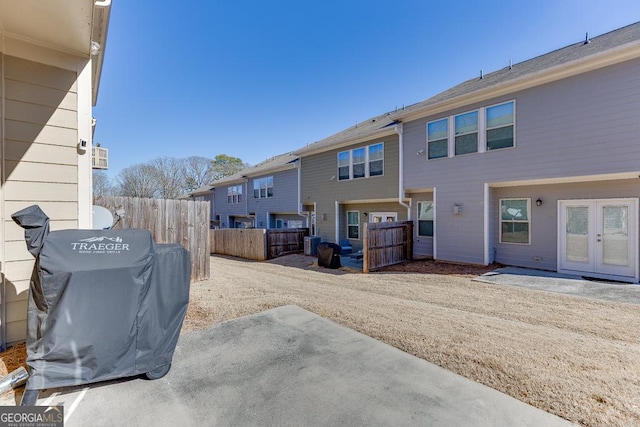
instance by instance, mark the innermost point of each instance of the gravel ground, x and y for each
(574, 357)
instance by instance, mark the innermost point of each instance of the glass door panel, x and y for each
(577, 234)
(615, 236)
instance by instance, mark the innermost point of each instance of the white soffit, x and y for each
(60, 24)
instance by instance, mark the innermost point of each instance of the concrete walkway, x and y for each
(289, 367)
(563, 283)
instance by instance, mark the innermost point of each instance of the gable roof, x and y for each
(381, 125)
(613, 47)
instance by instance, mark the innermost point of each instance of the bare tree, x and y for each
(197, 172)
(102, 185)
(168, 177)
(138, 181)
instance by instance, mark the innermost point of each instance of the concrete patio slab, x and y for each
(290, 367)
(563, 283)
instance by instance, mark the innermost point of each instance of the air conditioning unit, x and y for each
(311, 245)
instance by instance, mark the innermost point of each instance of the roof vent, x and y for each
(510, 64)
(586, 39)
(481, 74)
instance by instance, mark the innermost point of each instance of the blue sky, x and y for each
(253, 79)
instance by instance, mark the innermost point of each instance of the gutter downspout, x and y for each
(399, 128)
(337, 222)
(299, 168)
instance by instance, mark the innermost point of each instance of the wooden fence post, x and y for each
(365, 248)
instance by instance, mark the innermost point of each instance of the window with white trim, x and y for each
(485, 129)
(359, 161)
(234, 194)
(376, 159)
(362, 162)
(425, 219)
(515, 221)
(437, 139)
(263, 187)
(344, 165)
(353, 224)
(500, 120)
(466, 133)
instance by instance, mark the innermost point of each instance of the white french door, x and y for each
(598, 238)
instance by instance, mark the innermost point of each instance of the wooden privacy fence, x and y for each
(239, 242)
(170, 221)
(386, 243)
(282, 242)
(257, 244)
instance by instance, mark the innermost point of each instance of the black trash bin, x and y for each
(329, 255)
(103, 304)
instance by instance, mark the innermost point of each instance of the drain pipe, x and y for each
(299, 168)
(399, 128)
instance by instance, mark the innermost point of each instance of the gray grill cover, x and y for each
(103, 304)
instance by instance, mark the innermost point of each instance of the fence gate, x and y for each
(386, 243)
(281, 242)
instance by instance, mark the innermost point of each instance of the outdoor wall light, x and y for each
(324, 216)
(420, 152)
(366, 213)
(539, 202)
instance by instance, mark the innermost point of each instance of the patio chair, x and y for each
(345, 247)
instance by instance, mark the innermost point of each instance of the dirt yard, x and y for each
(574, 357)
(570, 356)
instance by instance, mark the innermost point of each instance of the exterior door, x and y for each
(383, 217)
(599, 238)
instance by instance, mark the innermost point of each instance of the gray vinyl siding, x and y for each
(542, 252)
(320, 184)
(582, 125)
(578, 126)
(284, 200)
(225, 209)
(39, 163)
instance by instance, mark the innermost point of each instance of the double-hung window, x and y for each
(515, 221)
(485, 129)
(437, 139)
(376, 159)
(500, 120)
(234, 194)
(344, 165)
(353, 224)
(362, 162)
(425, 219)
(263, 187)
(466, 133)
(359, 162)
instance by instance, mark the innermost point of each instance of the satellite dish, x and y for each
(102, 218)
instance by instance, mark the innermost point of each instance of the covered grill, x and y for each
(103, 304)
